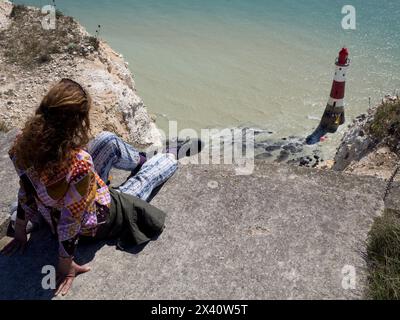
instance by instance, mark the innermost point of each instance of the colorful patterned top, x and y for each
(74, 201)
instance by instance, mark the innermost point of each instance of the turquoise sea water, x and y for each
(262, 63)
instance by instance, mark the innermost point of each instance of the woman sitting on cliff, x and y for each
(63, 178)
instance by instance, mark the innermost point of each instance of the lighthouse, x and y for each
(333, 116)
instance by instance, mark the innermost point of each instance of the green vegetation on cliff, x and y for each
(27, 43)
(383, 247)
(386, 125)
(384, 257)
(3, 127)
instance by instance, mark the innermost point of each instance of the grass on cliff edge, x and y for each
(3, 127)
(386, 125)
(27, 43)
(383, 257)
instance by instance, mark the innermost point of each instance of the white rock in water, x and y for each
(309, 117)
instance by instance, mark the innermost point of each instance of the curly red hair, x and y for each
(60, 125)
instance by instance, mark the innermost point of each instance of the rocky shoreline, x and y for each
(359, 151)
(291, 150)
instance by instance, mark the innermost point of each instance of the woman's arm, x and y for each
(26, 211)
(18, 244)
(79, 197)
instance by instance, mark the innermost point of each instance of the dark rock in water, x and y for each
(283, 156)
(304, 162)
(290, 147)
(293, 161)
(272, 148)
(287, 149)
(264, 155)
(258, 132)
(259, 145)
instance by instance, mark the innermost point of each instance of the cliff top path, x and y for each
(281, 233)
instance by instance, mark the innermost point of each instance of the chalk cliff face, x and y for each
(361, 153)
(77, 55)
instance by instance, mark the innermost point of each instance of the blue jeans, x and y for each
(108, 151)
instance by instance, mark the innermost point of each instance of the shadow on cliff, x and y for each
(21, 275)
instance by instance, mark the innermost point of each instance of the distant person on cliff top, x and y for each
(63, 178)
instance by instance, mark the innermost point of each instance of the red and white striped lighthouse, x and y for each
(336, 99)
(333, 116)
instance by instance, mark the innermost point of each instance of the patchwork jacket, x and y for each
(74, 201)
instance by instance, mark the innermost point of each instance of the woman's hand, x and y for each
(67, 270)
(19, 242)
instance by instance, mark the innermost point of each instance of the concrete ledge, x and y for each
(281, 233)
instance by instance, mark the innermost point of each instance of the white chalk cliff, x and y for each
(103, 72)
